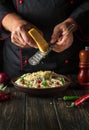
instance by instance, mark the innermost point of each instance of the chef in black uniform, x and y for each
(52, 19)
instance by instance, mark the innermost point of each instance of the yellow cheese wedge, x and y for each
(40, 41)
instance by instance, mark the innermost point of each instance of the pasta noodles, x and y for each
(40, 79)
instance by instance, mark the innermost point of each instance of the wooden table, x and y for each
(23, 112)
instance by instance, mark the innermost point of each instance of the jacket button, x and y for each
(25, 61)
(66, 61)
(20, 1)
(72, 1)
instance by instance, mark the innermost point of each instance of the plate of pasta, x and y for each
(41, 83)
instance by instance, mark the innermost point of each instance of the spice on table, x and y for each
(68, 98)
(4, 95)
(2, 87)
(80, 100)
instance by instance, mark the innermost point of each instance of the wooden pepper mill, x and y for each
(83, 75)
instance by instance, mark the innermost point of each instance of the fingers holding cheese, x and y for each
(40, 41)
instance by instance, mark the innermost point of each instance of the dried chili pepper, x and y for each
(4, 96)
(67, 98)
(79, 100)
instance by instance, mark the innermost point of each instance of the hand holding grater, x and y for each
(44, 49)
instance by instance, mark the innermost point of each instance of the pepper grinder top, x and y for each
(84, 56)
(83, 75)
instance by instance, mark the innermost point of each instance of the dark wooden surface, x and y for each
(23, 112)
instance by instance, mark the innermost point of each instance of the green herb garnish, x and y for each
(2, 87)
(61, 80)
(44, 83)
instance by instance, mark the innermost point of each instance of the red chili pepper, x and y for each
(23, 82)
(1, 93)
(4, 96)
(39, 81)
(80, 100)
(38, 86)
(57, 83)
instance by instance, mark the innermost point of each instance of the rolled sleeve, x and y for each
(81, 14)
(5, 8)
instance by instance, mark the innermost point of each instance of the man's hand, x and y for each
(62, 36)
(21, 38)
(19, 30)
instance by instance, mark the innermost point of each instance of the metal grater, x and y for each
(38, 56)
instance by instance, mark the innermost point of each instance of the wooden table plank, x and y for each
(40, 114)
(73, 118)
(76, 118)
(12, 113)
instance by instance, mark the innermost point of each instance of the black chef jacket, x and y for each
(45, 14)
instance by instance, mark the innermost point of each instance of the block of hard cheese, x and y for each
(40, 41)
